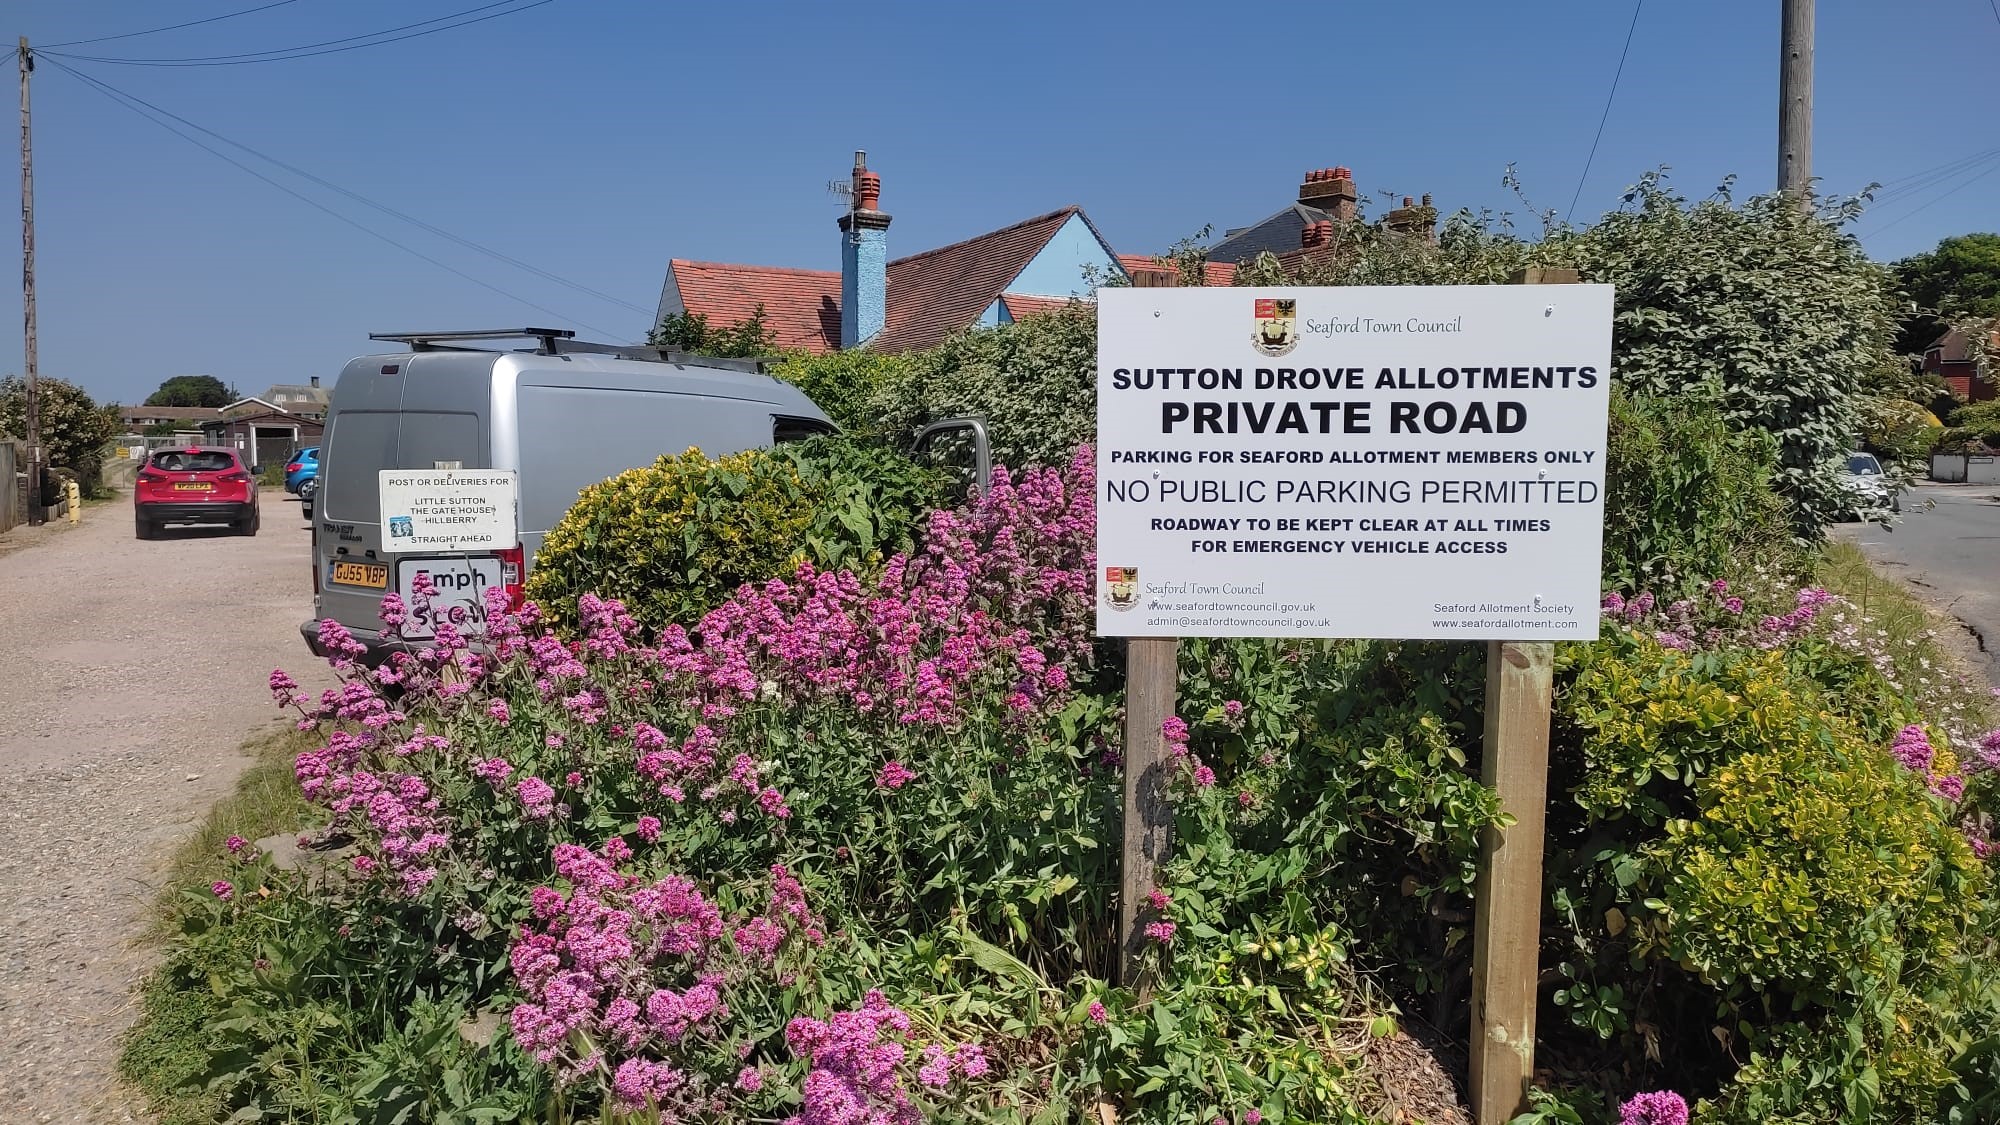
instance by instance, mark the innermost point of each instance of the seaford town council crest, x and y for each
(1121, 586)
(1277, 328)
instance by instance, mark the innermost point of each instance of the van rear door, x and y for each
(382, 432)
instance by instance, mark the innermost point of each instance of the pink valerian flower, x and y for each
(1252, 1117)
(1204, 777)
(236, 845)
(222, 889)
(1174, 729)
(1161, 932)
(1097, 1012)
(858, 1063)
(1719, 586)
(649, 828)
(895, 775)
(749, 1080)
(1661, 1107)
(773, 804)
(498, 711)
(493, 771)
(283, 688)
(641, 1083)
(1912, 749)
(1245, 799)
(1159, 900)
(537, 797)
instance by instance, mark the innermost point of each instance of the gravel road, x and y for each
(130, 675)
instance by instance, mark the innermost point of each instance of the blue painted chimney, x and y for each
(864, 259)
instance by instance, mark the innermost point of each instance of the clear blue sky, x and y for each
(595, 139)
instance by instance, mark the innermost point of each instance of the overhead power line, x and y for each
(326, 47)
(384, 208)
(132, 105)
(1608, 99)
(173, 26)
(1972, 175)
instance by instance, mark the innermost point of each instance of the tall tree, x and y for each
(192, 390)
(75, 429)
(1958, 280)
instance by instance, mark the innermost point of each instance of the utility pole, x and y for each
(34, 419)
(1795, 102)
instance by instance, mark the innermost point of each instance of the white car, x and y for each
(1869, 485)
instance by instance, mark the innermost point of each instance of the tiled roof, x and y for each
(801, 307)
(133, 414)
(939, 292)
(1218, 273)
(1022, 305)
(1277, 233)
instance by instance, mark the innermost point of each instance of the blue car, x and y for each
(303, 466)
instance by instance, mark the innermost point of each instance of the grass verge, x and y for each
(1911, 633)
(173, 1040)
(266, 801)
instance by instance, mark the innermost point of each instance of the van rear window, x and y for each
(359, 444)
(181, 461)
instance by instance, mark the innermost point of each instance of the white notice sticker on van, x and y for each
(461, 586)
(432, 510)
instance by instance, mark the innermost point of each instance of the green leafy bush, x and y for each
(1034, 382)
(1688, 497)
(843, 384)
(1743, 871)
(674, 539)
(1777, 308)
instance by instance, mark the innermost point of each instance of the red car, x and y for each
(199, 485)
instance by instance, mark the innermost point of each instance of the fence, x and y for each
(12, 486)
(1961, 468)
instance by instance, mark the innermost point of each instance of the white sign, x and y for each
(429, 510)
(458, 593)
(1415, 462)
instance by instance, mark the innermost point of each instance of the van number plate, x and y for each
(459, 584)
(375, 576)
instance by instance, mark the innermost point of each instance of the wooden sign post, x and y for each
(1152, 670)
(1507, 900)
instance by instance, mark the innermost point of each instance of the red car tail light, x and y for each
(513, 562)
(148, 476)
(237, 477)
(294, 467)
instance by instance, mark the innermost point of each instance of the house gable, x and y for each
(1067, 263)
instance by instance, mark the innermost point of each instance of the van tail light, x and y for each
(513, 564)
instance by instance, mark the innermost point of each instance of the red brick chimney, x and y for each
(1413, 218)
(1331, 190)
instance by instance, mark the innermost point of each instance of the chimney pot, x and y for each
(867, 190)
(1343, 173)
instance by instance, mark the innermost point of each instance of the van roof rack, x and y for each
(563, 341)
(424, 341)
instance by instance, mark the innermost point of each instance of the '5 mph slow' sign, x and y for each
(425, 511)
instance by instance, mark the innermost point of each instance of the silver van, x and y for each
(564, 415)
